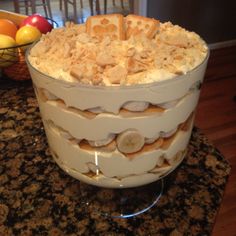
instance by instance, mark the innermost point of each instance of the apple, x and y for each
(39, 22)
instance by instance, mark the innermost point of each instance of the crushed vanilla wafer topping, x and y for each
(117, 50)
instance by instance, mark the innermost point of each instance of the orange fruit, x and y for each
(27, 34)
(7, 27)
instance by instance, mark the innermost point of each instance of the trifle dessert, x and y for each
(117, 97)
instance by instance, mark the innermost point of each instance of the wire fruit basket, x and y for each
(12, 60)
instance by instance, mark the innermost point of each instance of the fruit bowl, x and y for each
(12, 62)
(12, 59)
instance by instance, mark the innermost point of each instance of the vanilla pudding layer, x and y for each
(98, 179)
(104, 124)
(113, 168)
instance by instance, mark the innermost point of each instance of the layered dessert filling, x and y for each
(107, 166)
(117, 97)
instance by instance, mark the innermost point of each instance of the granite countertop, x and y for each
(38, 198)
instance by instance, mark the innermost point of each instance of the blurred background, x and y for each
(69, 10)
(214, 20)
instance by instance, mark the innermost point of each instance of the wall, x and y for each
(214, 20)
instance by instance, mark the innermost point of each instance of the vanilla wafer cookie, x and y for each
(140, 25)
(111, 25)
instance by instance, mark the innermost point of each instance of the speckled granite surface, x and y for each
(38, 198)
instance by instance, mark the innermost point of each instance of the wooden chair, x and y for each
(97, 7)
(66, 4)
(114, 3)
(121, 3)
(131, 6)
(61, 4)
(32, 5)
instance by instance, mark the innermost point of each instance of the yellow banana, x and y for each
(15, 17)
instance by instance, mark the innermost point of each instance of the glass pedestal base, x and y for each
(121, 203)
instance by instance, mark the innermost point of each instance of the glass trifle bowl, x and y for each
(116, 135)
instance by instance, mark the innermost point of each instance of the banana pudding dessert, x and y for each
(117, 96)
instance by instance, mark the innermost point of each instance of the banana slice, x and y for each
(94, 168)
(110, 147)
(103, 142)
(176, 159)
(169, 133)
(136, 106)
(96, 110)
(161, 170)
(167, 105)
(130, 141)
(49, 95)
(153, 139)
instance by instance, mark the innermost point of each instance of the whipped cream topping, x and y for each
(70, 54)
